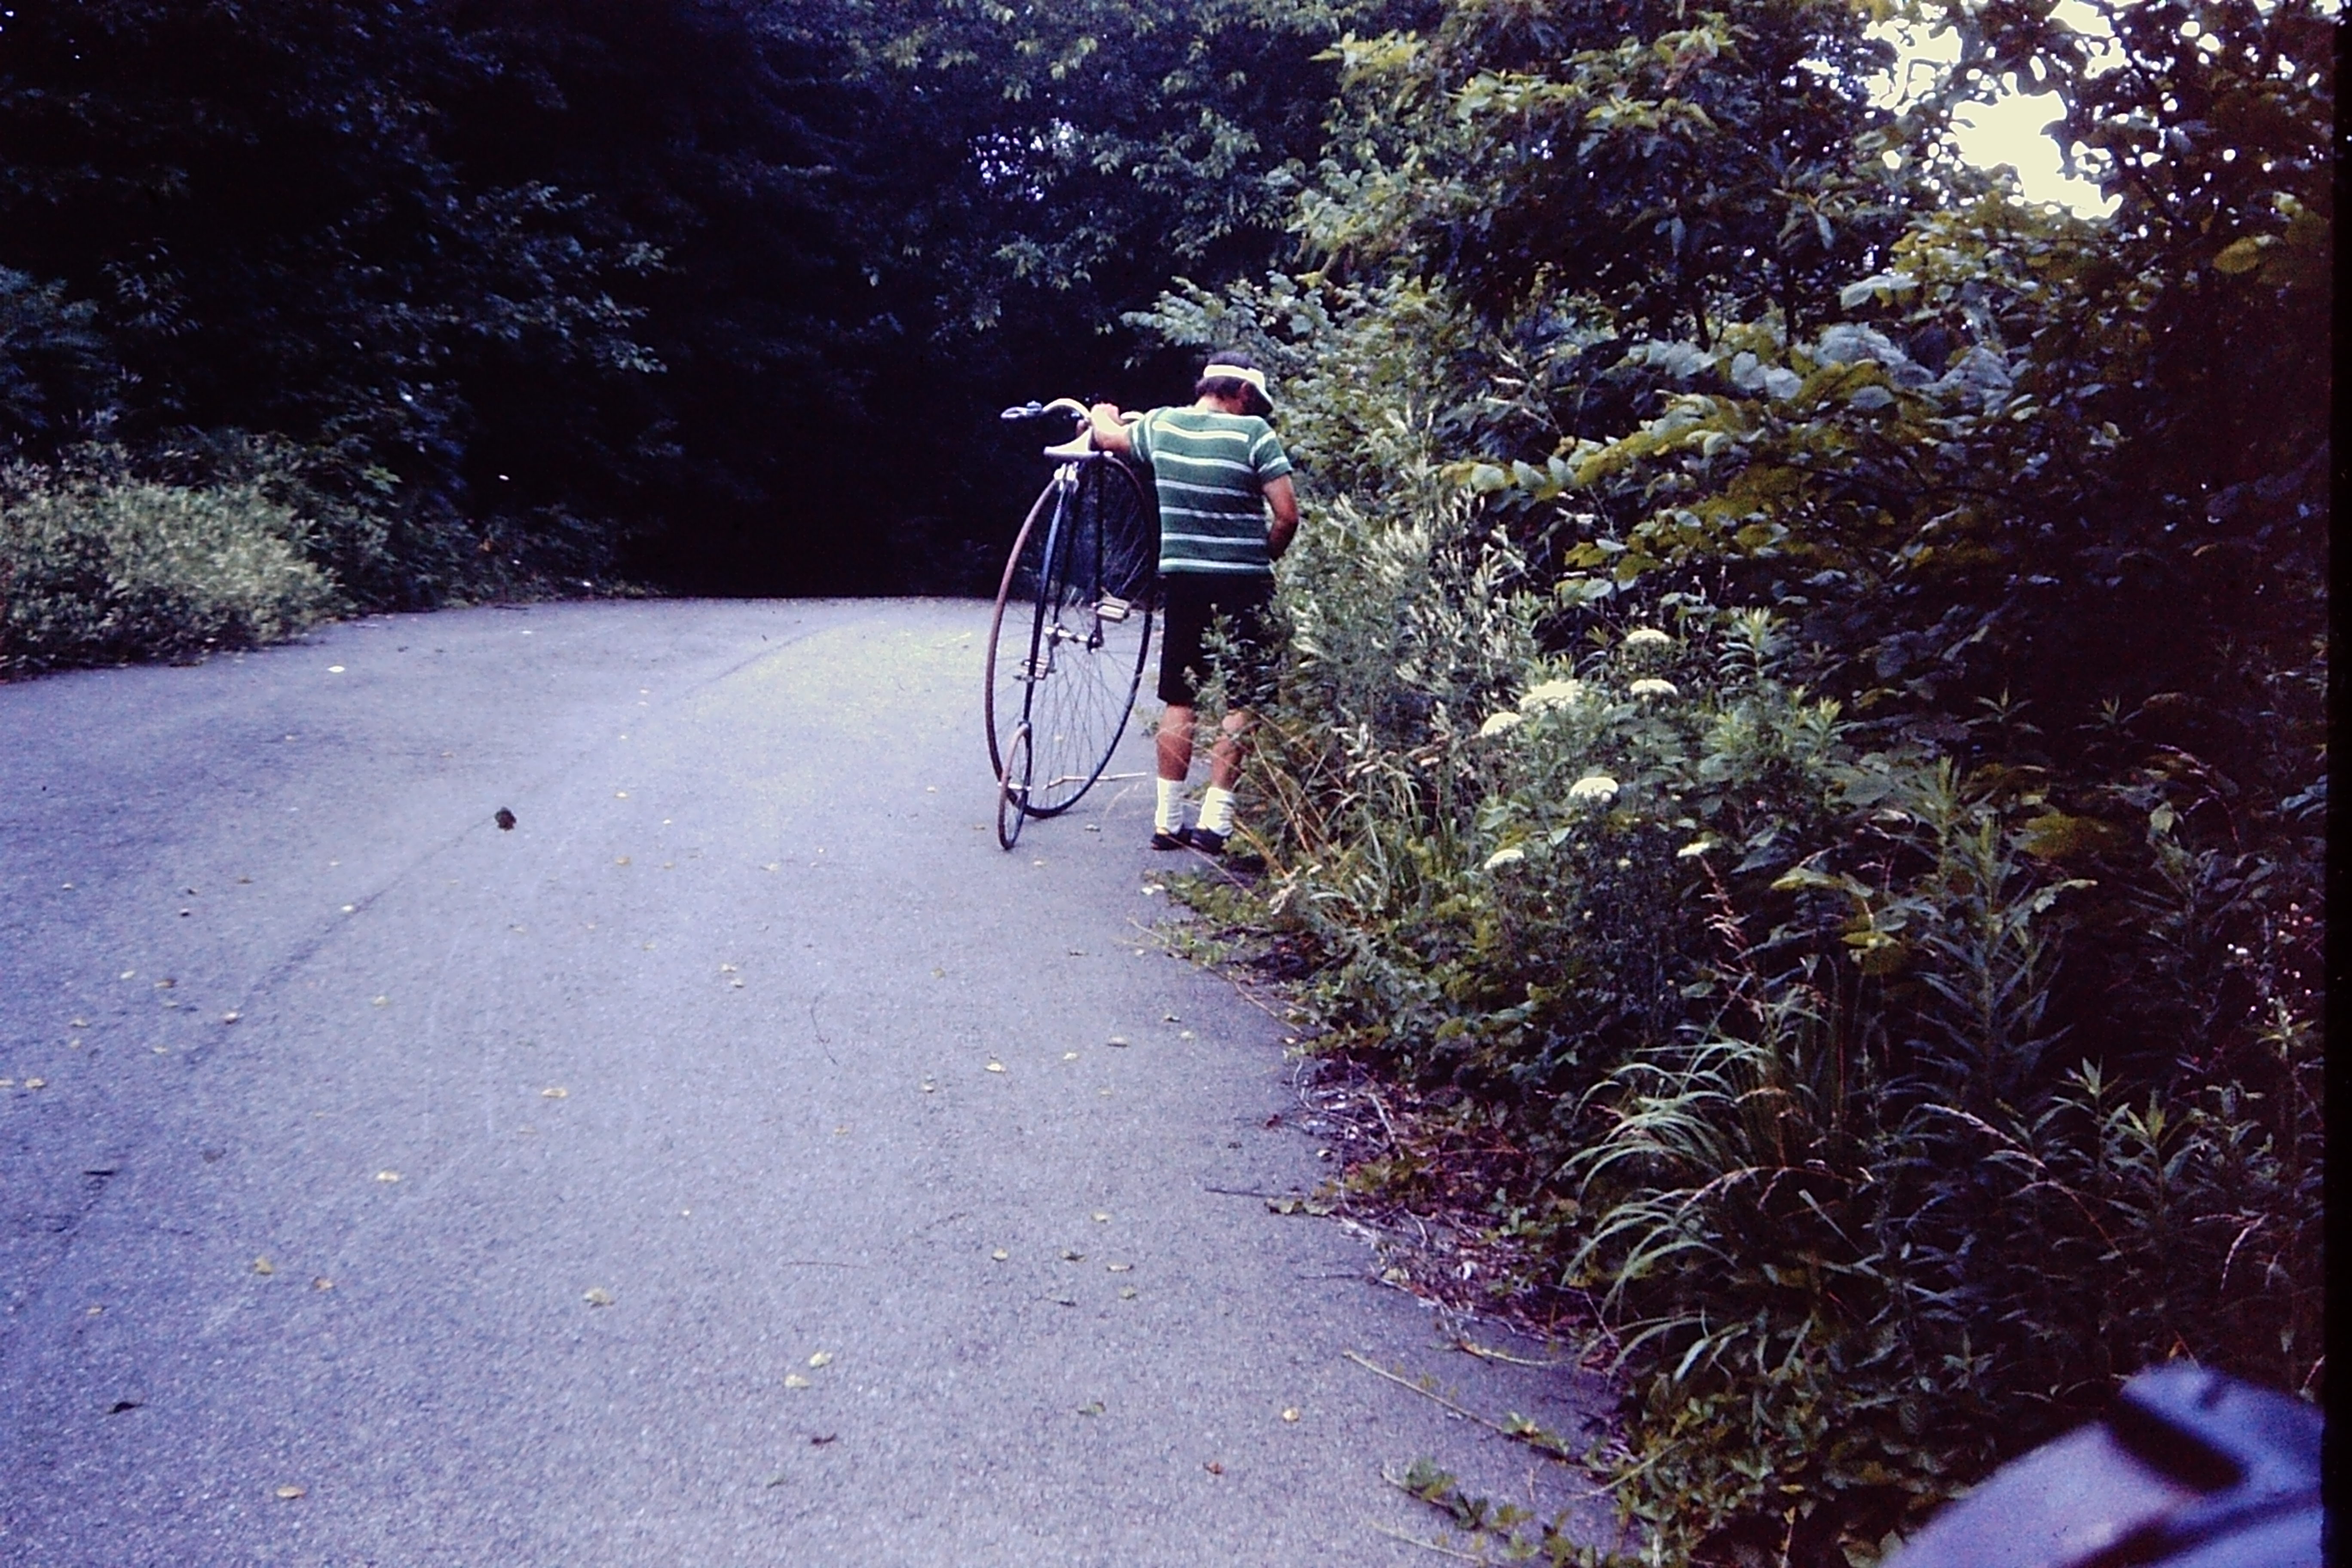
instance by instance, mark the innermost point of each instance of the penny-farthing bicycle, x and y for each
(1073, 627)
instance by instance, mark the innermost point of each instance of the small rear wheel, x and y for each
(1012, 788)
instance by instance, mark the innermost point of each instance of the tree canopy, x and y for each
(664, 287)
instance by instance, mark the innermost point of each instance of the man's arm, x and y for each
(1284, 499)
(1111, 435)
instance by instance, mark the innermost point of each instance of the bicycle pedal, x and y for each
(1112, 609)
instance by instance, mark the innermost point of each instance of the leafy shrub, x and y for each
(98, 570)
(1815, 742)
(1763, 997)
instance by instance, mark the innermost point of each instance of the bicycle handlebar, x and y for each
(1032, 409)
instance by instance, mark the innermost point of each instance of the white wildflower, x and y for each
(1695, 848)
(1593, 786)
(1650, 686)
(1641, 635)
(1500, 723)
(1509, 854)
(1551, 694)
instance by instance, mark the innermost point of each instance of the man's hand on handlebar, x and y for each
(1109, 430)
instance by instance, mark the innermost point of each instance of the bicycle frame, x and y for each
(1075, 613)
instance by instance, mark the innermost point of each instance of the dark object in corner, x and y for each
(505, 819)
(2190, 1470)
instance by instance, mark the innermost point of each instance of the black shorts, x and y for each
(1193, 602)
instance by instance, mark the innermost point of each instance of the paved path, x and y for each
(728, 1165)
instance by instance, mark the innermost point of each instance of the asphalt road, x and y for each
(732, 1163)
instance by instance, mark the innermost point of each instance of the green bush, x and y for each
(103, 569)
(1805, 735)
(1762, 998)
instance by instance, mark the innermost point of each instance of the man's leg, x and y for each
(1224, 772)
(1225, 756)
(1172, 744)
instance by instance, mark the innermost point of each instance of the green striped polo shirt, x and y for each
(1211, 471)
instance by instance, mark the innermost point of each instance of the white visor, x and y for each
(1239, 372)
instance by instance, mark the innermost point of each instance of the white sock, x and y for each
(1217, 810)
(1167, 815)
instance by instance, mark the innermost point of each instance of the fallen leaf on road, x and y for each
(290, 1493)
(379, 1000)
(387, 1176)
(36, 1083)
(1092, 1407)
(1062, 1300)
(620, 794)
(822, 1358)
(1118, 1268)
(1000, 1255)
(1069, 1055)
(505, 819)
(726, 969)
(231, 1017)
(322, 1283)
(1127, 1292)
(770, 866)
(1100, 1217)
(620, 859)
(996, 1067)
(1291, 1414)
(1214, 1468)
(817, 1442)
(597, 1296)
(554, 1091)
(1070, 1256)
(795, 1380)
(263, 1266)
(1118, 1040)
(79, 1024)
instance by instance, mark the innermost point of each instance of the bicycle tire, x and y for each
(1012, 788)
(1073, 629)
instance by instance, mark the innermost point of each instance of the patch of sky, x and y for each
(2015, 128)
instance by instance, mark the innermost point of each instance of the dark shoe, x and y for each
(1206, 842)
(1168, 840)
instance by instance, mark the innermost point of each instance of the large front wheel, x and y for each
(1072, 630)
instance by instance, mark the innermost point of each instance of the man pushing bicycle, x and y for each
(1219, 469)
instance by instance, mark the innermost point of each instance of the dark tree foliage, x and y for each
(720, 292)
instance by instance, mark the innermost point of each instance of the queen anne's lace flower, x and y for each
(1593, 786)
(1641, 635)
(1509, 854)
(1650, 686)
(1500, 723)
(1551, 694)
